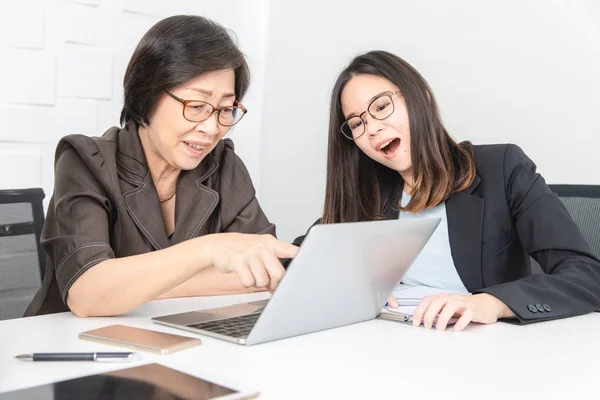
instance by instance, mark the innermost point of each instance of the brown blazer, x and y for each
(105, 205)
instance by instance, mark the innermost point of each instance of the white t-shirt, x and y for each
(434, 266)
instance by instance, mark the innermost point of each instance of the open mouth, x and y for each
(390, 146)
(194, 146)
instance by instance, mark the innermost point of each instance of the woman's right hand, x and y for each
(255, 258)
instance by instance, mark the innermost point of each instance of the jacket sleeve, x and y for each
(240, 209)
(571, 283)
(76, 232)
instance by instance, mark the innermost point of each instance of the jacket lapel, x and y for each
(144, 208)
(195, 201)
(465, 226)
(139, 192)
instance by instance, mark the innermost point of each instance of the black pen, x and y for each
(98, 357)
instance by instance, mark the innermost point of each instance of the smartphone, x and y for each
(140, 339)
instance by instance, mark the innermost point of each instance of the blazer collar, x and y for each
(194, 202)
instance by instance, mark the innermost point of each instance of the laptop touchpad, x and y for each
(235, 310)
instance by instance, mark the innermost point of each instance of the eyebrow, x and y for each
(370, 100)
(210, 92)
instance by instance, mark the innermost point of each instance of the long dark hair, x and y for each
(174, 51)
(361, 189)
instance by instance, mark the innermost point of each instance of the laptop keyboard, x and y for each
(237, 327)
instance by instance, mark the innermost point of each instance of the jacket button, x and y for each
(532, 308)
(547, 307)
(539, 307)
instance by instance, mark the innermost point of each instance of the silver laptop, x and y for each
(342, 274)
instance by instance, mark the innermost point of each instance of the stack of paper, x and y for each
(408, 298)
(411, 295)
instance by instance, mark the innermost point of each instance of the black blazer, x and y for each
(507, 215)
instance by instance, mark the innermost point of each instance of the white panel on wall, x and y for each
(161, 9)
(28, 77)
(85, 73)
(28, 124)
(80, 117)
(151, 8)
(22, 25)
(87, 2)
(27, 161)
(86, 25)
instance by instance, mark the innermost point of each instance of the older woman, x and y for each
(162, 207)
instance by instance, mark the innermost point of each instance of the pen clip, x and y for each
(117, 358)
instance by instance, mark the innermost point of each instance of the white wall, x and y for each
(61, 72)
(520, 71)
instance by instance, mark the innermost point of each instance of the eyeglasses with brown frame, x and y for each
(198, 111)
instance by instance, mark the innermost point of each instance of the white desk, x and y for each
(371, 360)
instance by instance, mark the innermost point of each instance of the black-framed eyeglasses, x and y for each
(198, 111)
(379, 108)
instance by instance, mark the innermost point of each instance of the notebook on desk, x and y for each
(150, 381)
(408, 299)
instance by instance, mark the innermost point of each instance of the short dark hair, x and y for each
(174, 51)
(359, 188)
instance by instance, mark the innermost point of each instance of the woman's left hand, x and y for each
(483, 308)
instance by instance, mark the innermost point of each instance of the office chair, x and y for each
(22, 260)
(583, 204)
